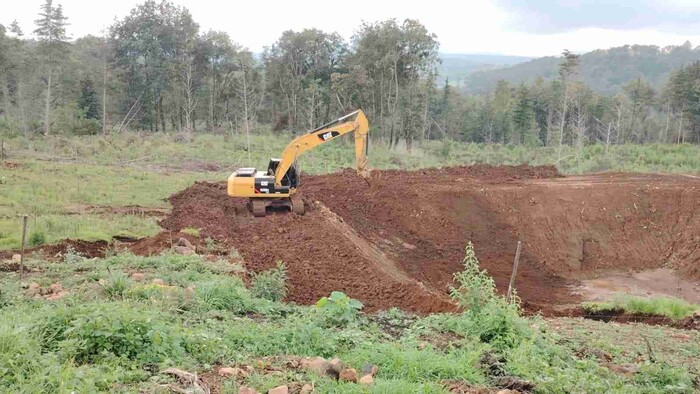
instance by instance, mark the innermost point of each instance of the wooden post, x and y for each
(515, 271)
(24, 238)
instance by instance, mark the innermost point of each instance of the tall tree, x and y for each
(88, 101)
(51, 31)
(523, 114)
(567, 69)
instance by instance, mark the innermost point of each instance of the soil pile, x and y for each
(398, 238)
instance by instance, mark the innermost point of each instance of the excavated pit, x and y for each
(398, 239)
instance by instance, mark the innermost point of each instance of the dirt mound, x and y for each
(207, 207)
(89, 249)
(397, 239)
(159, 242)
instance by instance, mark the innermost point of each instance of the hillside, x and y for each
(604, 70)
(458, 66)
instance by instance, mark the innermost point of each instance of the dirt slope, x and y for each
(397, 239)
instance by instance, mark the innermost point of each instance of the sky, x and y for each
(512, 27)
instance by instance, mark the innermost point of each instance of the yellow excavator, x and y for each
(278, 186)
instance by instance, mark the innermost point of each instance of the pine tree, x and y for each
(523, 113)
(88, 101)
(51, 30)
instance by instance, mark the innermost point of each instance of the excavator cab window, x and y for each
(290, 179)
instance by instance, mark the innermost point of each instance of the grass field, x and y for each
(115, 324)
(60, 180)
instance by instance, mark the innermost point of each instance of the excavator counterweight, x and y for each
(278, 186)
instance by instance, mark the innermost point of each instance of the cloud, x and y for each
(554, 16)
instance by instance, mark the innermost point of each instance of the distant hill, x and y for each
(604, 70)
(457, 67)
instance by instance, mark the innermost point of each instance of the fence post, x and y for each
(24, 238)
(515, 271)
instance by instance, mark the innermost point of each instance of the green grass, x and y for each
(115, 334)
(673, 308)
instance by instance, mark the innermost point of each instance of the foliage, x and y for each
(339, 309)
(673, 308)
(271, 284)
(37, 238)
(488, 316)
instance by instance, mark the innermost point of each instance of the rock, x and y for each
(102, 282)
(34, 289)
(57, 296)
(366, 380)
(55, 288)
(138, 276)
(306, 389)
(348, 375)
(184, 242)
(246, 390)
(506, 392)
(16, 258)
(227, 372)
(316, 364)
(158, 282)
(185, 251)
(279, 390)
(337, 365)
(370, 369)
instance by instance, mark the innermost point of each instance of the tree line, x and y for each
(156, 70)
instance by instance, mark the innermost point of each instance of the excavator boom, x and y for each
(356, 121)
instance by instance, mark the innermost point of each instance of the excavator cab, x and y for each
(290, 179)
(278, 186)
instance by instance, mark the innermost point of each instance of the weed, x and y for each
(339, 309)
(116, 286)
(37, 238)
(488, 316)
(191, 231)
(271, 284)
(673, 308)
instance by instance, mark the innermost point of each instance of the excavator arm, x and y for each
(354, 122)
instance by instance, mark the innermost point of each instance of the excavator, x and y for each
(278, 186)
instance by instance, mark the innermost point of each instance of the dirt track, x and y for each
(397, 240)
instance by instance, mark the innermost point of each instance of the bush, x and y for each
(339, 309)
(116, 286)
(37, 238)
(225, 295)
(271, 284)
(488, 316)
(123, 331)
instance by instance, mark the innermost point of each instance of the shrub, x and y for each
(37, 238)
(339, 309)
(121, 330)
(225, 295)
(488, 316)
(271, 284)
(116, 286)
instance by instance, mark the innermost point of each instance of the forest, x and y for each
(156, 70)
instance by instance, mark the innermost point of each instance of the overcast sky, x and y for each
(513, 27)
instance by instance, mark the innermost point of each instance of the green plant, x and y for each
(488, 315)
(191, 231)
(116, 286)
(271, 284)
(673, 308)
(71, 256)
(37, 238)
(339, 309)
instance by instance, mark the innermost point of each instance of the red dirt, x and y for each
(89, 249)
(159, 242)
(397, 239)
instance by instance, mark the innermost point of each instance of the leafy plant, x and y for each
(339, 309)
(488, 315)
(271, 284)
(116, 286)
(37, 238)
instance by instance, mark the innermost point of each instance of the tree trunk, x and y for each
(47, 114)
(563, 120)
